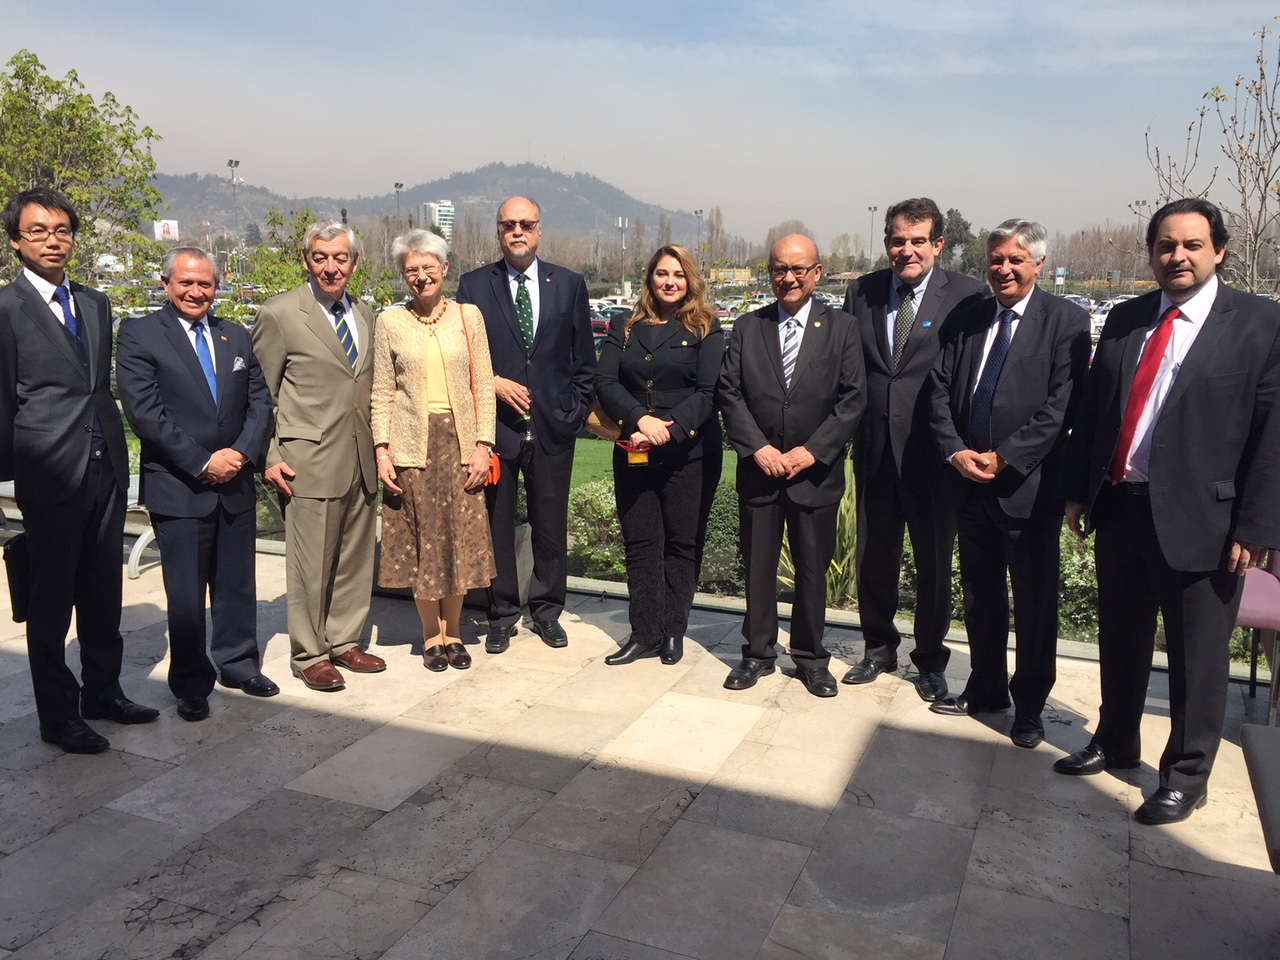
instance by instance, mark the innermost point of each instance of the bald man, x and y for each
(792, 390)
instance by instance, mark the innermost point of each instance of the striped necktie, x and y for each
(790, 347)
(344, 334)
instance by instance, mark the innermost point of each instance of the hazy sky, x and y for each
(808, 110)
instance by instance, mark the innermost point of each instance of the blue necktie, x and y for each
(980, 411)
(63, 296)
(344, 335)
(206, 360)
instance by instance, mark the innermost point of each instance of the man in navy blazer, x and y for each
(1183, 500)
(1004, 389)
(544, 360)
(62, 444)
(197, 400)
(900, 312)
(791, 389)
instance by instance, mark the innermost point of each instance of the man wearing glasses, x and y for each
(62, 443)
(315, 347)
(539, 328)
(792, 390)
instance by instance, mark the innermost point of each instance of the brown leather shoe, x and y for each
(357, 661)
(320, 676)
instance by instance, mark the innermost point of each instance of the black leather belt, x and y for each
(1134, 489)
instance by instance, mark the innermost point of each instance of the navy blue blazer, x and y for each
(168, 403)
(560, 367)
(1034, 402)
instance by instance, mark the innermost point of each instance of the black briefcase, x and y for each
(17, 567)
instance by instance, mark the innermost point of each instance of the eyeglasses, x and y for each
(780, 272)
(41, 234)
(427, 273)
(528, 226)
(320, 259)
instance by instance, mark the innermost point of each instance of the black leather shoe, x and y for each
(192, 709)
(931, 687)
(672, 649)
(499, 638)
(1091, 760)
(1169, 806)
(961, 707)
(1027, 732)
(864, 671)
(120, 709)
(746, 673)
(632, 651)
(257, 686)
(73, 736)
(551, 632)
(819, 682)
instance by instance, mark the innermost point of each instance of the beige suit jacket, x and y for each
(321, 404)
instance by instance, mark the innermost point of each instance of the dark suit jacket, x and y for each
(1215, 455)
(898, 401)
(47, 401)
(558, 370)
(819, 412)
(168, 403)
(667, 372)
(1034, 400)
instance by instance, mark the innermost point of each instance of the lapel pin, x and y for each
(926, 324)
(223, 339)
(817, 323)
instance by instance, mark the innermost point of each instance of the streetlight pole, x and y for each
(870, 233)
(698, 214)
(399, 187)
(233, 166)
(622, 253)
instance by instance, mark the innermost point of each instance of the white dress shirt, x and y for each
(531, 285)
(801, 318)
(895, 301)
(46, 289)
(994, 330)
(208, 337)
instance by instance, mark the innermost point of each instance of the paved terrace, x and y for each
(544, 805)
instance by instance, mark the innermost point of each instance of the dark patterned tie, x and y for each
(902, 326)
(524, 311)
(344, 333)
(980, 411)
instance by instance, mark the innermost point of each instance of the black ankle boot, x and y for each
(631, 651)
(672, 649)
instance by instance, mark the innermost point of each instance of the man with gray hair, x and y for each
(315, 344)
(1003, 395)
(196, 398)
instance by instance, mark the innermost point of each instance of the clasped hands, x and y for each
(653, 431)
(787, 465)
(223, 465)
(979, 467)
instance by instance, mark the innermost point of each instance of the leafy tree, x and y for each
(53, 133)
(252, 235)
(785, 229)
(664, 231)
(962, 252)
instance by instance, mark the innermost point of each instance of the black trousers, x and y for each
(811, 532)
(888, 505)
(659, 509)
(209, 557)
(76, 551)
(1199, 611)
(546, 486)
(994, 545)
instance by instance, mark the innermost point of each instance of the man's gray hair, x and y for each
(419, 241)
(329, 230)
(174, 254)
(1029, 235)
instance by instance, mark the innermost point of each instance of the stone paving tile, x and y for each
(1072, 854)
(524, 901)
(1187, 916)
(597, 946)
(1002, 925)
(107, 848)
(340, 913)
(488, 699)
(685, 732)
(617, 811)
(201, 876)
(706, 892)
(624, 691)
(438, 836)
(823, 936)
(865, 868)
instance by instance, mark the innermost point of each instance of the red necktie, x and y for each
(1143, 379)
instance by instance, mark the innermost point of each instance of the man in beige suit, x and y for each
(315, 346)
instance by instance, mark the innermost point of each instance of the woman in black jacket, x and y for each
(657, 378)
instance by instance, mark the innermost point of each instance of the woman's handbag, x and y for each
(600, 424)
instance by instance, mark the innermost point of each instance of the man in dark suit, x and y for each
(544, 360)
(1004, 387)
(900, 312)
(792, 389)
(195, 396)
(1175, 462)
(62, 443)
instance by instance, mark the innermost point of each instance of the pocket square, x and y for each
(238, 365)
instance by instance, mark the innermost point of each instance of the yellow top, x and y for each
(437, 390)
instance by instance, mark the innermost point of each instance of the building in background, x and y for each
(440, 214)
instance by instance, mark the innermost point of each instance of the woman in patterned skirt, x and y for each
(433, 415)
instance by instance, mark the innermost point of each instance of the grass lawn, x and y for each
(592, 460)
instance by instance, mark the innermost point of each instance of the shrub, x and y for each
(595, 540)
